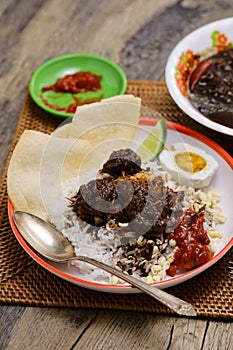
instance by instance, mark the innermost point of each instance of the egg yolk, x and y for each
(190, 162)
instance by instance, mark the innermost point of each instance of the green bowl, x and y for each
(113, 81)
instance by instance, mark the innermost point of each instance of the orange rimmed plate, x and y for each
(222, 184)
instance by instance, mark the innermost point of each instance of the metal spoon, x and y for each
(50, 243)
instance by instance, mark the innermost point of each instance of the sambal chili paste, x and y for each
(75, 83)
(73, 106)
(80, 82)
(192, 242)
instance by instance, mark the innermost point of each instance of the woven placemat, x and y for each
(24, 282)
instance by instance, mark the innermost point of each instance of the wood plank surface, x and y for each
(138, 35)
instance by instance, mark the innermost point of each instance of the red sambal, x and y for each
(192, 242)
(73, 106)
(75, 83)
(79, 82)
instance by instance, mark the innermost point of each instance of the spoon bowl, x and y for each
(50, 243)
(43, 237)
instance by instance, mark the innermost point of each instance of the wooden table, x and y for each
(138, 35)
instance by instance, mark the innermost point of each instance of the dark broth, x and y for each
(211, 88)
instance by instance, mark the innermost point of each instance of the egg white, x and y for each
(199, 179)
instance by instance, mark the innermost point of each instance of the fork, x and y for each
(230, 269)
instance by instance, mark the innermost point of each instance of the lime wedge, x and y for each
(153, 143)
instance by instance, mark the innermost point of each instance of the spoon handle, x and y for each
(181, 307)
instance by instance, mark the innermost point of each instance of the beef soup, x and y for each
(211, 88)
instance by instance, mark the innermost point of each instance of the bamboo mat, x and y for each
(24, 282)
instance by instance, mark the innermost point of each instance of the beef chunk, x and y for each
(136, 202)
(107, 199)
(122, 162)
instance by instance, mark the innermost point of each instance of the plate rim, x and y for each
(55, 59)
(126, 289)
(179, 99)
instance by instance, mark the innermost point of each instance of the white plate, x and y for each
(196, 41)
(222, 184)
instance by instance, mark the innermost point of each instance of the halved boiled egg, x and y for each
(188, 165)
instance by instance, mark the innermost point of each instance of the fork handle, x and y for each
(179, 306)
